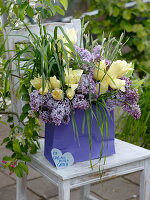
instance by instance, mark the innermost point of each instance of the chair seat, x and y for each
(126, 153)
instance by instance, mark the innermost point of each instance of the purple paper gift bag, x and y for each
(63, 138)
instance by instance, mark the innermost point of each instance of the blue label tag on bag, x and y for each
(62, 160)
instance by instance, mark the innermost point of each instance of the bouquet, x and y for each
(89, 76)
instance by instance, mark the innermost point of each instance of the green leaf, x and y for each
(64, 3)
(138, 27)
(10, 119)
(5, 140)
(15, 9)
(1, 4)
(25, 158)
(16, 146)
(127, 14)
(26, 108)
(59, 10)
(24, 167)
(140, 46)
(116, 11)
(126, 26)
(130, 72)
(4, 123)
(23, 116)
(18, 171)
(23, 89)
(26, 97)
(30, 11)
(137, 83)
(21, 11)
(7, 158)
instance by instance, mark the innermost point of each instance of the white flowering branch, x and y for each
(12, 113)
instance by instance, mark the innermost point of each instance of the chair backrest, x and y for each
(18, 36)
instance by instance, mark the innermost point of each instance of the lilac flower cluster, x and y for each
(85, 56)
(96, 53)
(127, 100)
(88, 56)
(80, 102)
(35, 100)
(50, 110)
(87, 84)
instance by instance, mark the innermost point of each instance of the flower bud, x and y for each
(43, 92)
(57, 94)
(70, 93)
(36, 83)
(100, 70)
(55, 83)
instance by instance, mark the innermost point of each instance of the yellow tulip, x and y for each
(70, 93)
(119, 68)
(100, 70)
(36, 83)
(104, 86)
(72, 35)
(72, 76)
(43, 92)
(77, 74)
(57, 94)
(55, 83)
(118, 84)
(112, 77)
(69, 76)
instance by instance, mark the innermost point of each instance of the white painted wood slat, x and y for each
(128, 158)
(125, 153)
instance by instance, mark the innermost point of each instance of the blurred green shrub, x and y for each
(137, 131)
(116, 18)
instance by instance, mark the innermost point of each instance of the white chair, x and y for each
(128, 158)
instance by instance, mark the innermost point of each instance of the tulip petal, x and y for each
(117, 84)
(103, 86)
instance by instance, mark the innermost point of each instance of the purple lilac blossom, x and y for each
(127, 100)
(86, 56)
(80, 102)
(108, 62)
(50, 103)
(45, 116)
(66, 119)
(133, 110)
(131, 96)
(61, 111)
(96, 53)
(35, 100)
(87, 84)
(127, 81)
(50, 110)
(57, 114)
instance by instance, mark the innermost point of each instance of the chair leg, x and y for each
(145, 181)
(64, 190)
(85, 193)
(21, 188)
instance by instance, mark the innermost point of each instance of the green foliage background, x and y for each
(113, 16)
